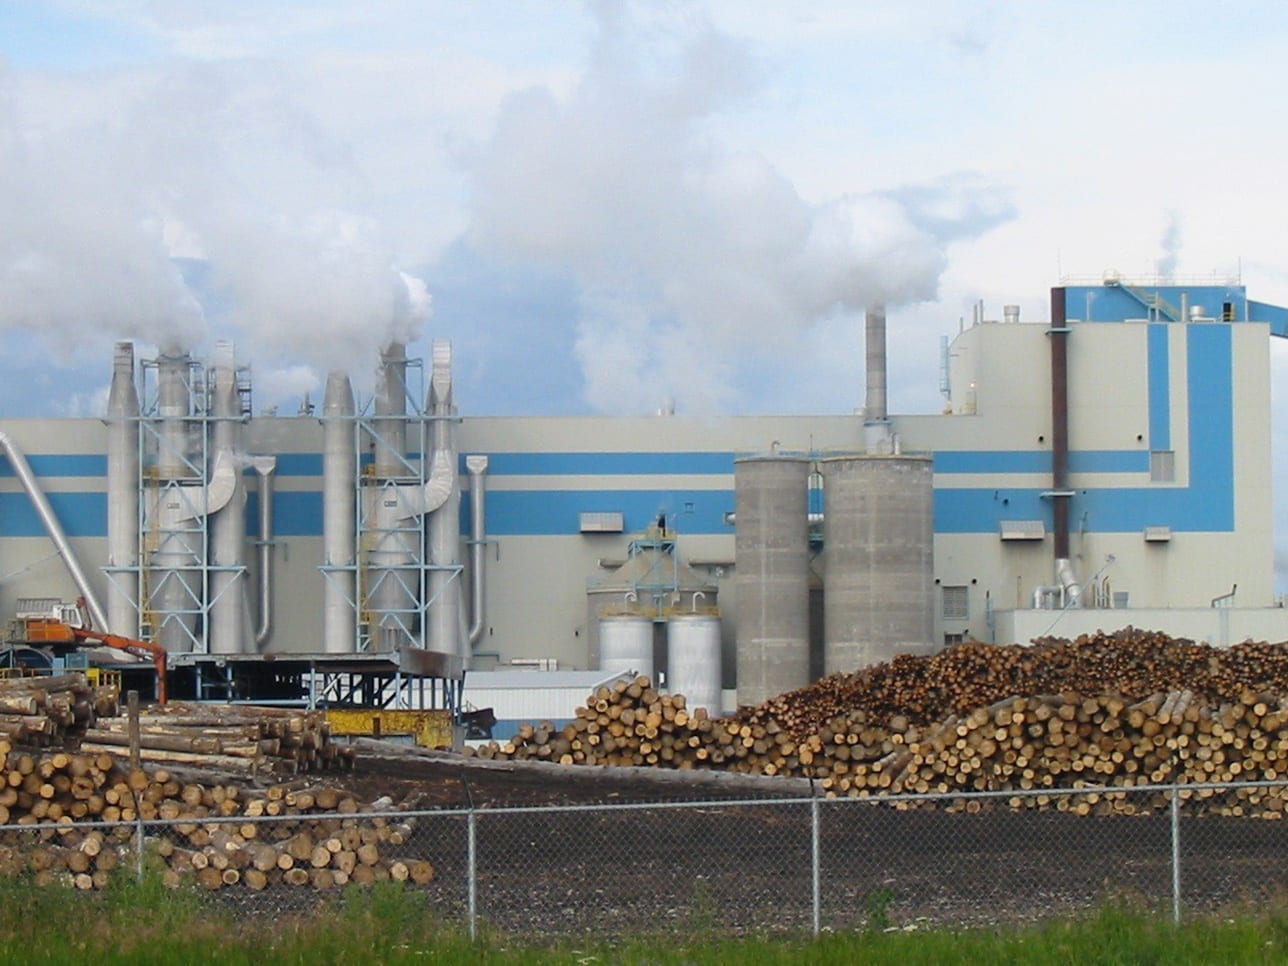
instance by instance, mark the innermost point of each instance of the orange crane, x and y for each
(44, 622)
(142, 649)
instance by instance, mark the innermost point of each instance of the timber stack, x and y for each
(1105, 713)
(236, 739)
(45, 710)
(211, 834)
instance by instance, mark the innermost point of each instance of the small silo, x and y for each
(771, 575)
(693, 660)
(626, 644)
(879, 584)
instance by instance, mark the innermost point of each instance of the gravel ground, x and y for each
(744, 868)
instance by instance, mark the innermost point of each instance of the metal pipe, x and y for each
(1061, 495)
(123, 496)
(264, 467)
(339, 516)
(876, 423)
(22, 469)
(477, 467)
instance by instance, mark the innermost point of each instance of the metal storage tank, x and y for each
(879, 584)
(771, 575)
(626, 644)
(693, 660)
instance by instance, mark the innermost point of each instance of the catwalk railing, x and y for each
(754, 865)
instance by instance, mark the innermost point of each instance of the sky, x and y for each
(610, 207)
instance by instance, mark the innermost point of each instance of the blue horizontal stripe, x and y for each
(1039, 461)
(65, 464)
(80, 514)
(552, 512)
(608, 464)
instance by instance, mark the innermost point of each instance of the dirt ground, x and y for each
(735, 858)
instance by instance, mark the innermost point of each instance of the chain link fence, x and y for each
(796, 865)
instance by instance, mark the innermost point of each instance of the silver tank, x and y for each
(626, 644)
(771, 575)
(879, 582)
(693, 660)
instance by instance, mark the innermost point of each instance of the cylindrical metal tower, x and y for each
(693, 660)
(123, 496)
(339, 516)
(771, 576)
(230, 630)
(626, 644)
(879, 581)
(447, 631)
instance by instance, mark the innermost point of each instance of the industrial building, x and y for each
(1107, 466)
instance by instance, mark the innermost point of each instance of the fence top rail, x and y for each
(1169, 788)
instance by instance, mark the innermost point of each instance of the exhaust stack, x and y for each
(123, 496)
(340, 469)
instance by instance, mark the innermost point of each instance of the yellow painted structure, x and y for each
(428, 728)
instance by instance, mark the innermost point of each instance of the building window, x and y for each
(956, 602)
(1162, 466)
(953, 639)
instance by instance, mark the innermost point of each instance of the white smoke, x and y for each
(111, 179)
(623, 185)
(1171, 244)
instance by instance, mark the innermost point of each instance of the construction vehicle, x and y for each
(45, 632)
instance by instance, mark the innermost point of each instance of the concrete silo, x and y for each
(771, 576)
(879, 534)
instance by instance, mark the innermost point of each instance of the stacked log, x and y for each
(236, 739)
(322, 836)
(44, 710)
(1146, 710)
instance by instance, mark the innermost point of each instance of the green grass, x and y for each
(144, 923)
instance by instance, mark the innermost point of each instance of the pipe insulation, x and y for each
(477, 467)
(264, 467)
(22, 469)
(339, 518)
(123, 496)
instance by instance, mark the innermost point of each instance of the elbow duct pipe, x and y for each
(123, 496)
(340, 469)
(477, 467)
(22, 469)
(264, 467)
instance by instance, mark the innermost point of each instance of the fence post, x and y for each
(816, 897)
(138, 850)
(1176, 855)
(473, 877)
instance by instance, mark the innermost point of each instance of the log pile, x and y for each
(324, 839)
(235, 739)
(1104, 712)
(45, 710)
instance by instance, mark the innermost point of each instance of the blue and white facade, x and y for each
(1168, 489)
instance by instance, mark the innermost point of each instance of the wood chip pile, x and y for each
(1104, 711)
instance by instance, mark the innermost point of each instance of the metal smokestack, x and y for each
(123, 496)
(339, 530)
(876, 424)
